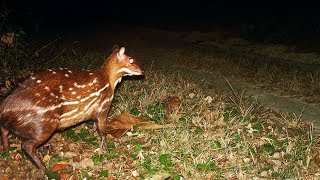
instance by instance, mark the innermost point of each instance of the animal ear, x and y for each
(120, 54)
(116, 48)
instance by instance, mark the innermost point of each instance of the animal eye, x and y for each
(130, 60)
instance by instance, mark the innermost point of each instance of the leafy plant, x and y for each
(165, 160)
(97, 158)
(206, 166)
(148, 166)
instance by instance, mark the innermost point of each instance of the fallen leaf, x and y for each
(109, 166)
(64, 176)
(222, 161)
(4, 90)
(85, 163)
(172, 103)
(70, 154)
(8, 38)
(46, 158)
(59, 167)
(119, 125)
(160, 176)
(122, 123)
(13, 164)
(315, 160)
(3, 177)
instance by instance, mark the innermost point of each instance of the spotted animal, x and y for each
(55, 99)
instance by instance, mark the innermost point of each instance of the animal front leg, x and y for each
(101, 123)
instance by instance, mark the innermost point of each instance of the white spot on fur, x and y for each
(60, 88)
(94, 81)
(69, 113)
(37, 94)
(73, 92)
(44, 110)
(51, 94)
(103, 104)
(69, 103)
(78, 117)
(38, 81)
(79, 86)
(78, 97)
(97, 93)
(90, 74)
(33, 78)
(66, 75)
(61, 68)
(90, 104)
(47, 88)
(70, 89)
(53, 72)
(69, 71)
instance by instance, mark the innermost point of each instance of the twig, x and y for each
(37, 51)
(56, 57)
(149, 126)
(235, 95)
(4, 19)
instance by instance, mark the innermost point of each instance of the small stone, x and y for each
(191, 95)
(135, 173)
(85, 163)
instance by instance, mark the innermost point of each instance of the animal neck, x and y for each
(109, 72)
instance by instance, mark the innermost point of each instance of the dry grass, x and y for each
(224, 143)
(230, 137)
(265, 73)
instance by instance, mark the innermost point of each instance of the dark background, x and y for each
(291, 20)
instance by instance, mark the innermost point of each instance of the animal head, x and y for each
(125, 65)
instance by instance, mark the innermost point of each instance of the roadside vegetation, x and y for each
(212, 134)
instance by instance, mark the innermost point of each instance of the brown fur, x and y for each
(56, 99)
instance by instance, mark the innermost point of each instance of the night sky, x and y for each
(294, 17)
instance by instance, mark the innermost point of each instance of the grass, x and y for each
(223, 135)
(267, 45)
(228, 55)
(222, 142)
(269, 75)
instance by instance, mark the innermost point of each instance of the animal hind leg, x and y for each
(5, 140)
(33, 141)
